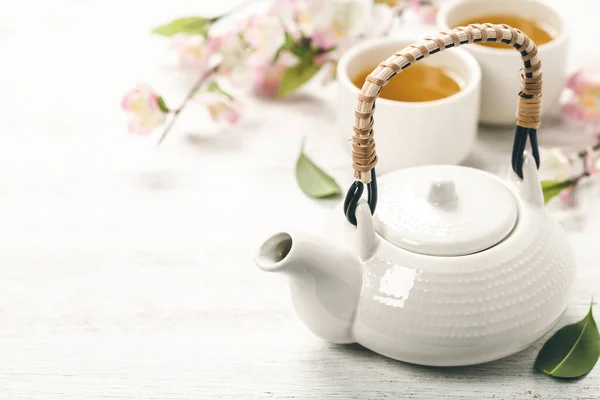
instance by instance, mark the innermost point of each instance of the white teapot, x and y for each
(454, 266)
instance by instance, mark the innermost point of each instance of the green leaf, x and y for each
(288, 44)
(277, 54)
(289, 41)
(312, 180)
(189, 25)
(553, 188)
(300, 52)
(572, 351)
(296, 76)
(163, 105)
(214, 87)
(289, 38)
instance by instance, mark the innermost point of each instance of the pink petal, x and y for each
(573, 112)
(574, 82)
(415, 4)
(233, 116)
(128, 98)
(429, 14)
(324, 39)
(321, 59)
(267, 80)
(214, 44)
(153, 102)
(566, 195)
(220, 107)
(583, 79)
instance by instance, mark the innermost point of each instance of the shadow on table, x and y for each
(518, 364)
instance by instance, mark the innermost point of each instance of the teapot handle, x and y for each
(364, 156)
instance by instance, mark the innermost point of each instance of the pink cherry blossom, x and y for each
(573, 112)
(193, 51)
(253, 42)
(263, 35)
(308, 15)
(304, 18)
(566, 195)
(321, 59)
(574, 82)
(233, 52)
(143, 103)
(582, 79)
(285, 12)
(267, 77)
(428, 14)
(325, 39)
(214, 43)
(426, 11)
(221, 107)
(583, 104)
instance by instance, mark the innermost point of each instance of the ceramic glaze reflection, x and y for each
(396, 284)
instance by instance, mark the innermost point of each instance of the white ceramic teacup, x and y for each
(500, 67)
(413, 133)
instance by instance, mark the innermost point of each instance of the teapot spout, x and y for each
(325, 278)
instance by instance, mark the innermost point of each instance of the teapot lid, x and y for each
(444, 210)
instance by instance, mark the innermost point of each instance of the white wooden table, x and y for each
(127, 272)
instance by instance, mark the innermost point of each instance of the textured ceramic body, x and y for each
(500, 68)
(469, 309)
(424, 309)
(407, 135)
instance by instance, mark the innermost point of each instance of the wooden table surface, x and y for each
(127, 272)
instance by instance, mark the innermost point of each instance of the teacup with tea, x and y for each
(537, 30)
(420, 82)
(500, 68)
(426, 114)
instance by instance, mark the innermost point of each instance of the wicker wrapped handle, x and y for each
(364, 156)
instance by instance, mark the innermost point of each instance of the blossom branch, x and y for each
(584, 153)
(273, 53)
(564, 187)
(199, 83)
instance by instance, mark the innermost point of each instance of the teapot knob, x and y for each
(442, 192)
